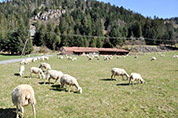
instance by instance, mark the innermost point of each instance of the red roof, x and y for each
(90, 49)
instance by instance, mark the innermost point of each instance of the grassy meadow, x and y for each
(101, 97)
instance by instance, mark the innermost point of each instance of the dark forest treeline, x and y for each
(89, 18)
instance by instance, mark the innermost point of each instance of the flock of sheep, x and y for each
(23, 94)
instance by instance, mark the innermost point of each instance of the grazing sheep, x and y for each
(23, 95)
(90, 58)
(106, 58)
(74, 59)
(118, 57)
(153, 58)
(162, 55)
(38, 71)
(22, 62)
(69, 80)
(34, 59)
(54, 74)
(60, 57)
(45, 65)
(46, 58)
(119, 72)
(135, 57)
(135, 76)
(21, 69)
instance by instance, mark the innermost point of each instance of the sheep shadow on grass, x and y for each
(8, 113)
(16, 74)
(108, 79)
(45, 83)
(56, 88)
(123, 84)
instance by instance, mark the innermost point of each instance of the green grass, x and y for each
(101, 96)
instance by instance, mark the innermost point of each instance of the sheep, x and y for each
(34, 59)
(153, 58)
(60, 57)
(23, 95)
(69, 80)
(22, 62)
(162, 55)
(119, 72)
(21, 69)
(90, 58)
(135, 57)
(45, 65)
(74, 59)
(38, 71)
(135, 76)
(54, 74)
(46, 58)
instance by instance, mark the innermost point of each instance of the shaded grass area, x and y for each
(102, 96)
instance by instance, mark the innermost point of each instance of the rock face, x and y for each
(150, 49)
(48, 14)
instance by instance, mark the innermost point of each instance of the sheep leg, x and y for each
(69, 88)
(30, 75)
(49, 80)
(138, 82)
(45, 80)
(39, 75)
(34, 112)
(129, 81)
(112, 75)
(56, 80)
(22, 111)
(17, 116)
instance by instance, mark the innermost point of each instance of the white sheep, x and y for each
(60, 57)
(74, 59)
(38, 71)
(21, 69)
(119, 72)
(69, 80)
(135, 57)
(153, 58)
(54, 74)
(34, 59)
(135, 77)
(23, 95)
(22, 62)
(46, 58)
(90, 58)
(45, 65)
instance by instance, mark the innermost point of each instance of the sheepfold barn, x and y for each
(90, 50)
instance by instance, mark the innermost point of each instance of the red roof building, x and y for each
(90, 50)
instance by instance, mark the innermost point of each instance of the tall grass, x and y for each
(101, 97)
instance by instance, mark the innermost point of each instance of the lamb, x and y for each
(45, 65)
(69, 80)
(153, 58)
(119, 72)
(54, 74)
(21, 69)
(135, 76)
(38, 71)
(23, 95)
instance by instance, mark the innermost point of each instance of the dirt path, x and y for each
(18, 60)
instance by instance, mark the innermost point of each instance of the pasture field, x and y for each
(101, 97)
